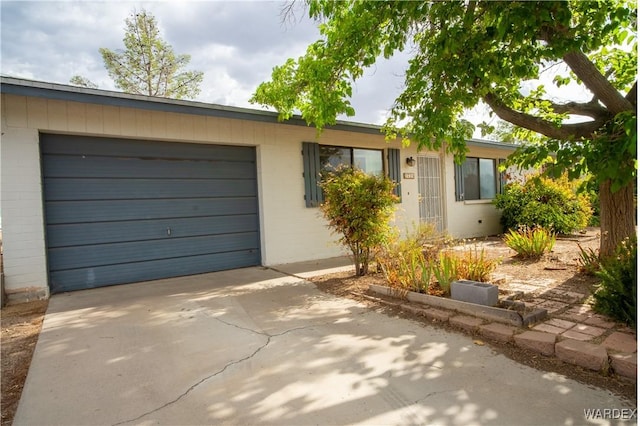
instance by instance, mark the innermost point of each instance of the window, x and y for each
(319, 158)
(477, 179)
(369, 160)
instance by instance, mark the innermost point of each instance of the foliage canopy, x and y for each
(467, 51)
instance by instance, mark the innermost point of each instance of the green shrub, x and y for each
(594, 202)
(616, 293)
(358, 207)
(530, 243)
(552, 204)
(589, 187)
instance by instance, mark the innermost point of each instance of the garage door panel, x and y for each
(101, 211)
(89, 145)
(119, 211)
(142, 251)
(110, 232)
(78, 279)
(60, 189)
(109, 167)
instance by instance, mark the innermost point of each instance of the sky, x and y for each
(235, 44)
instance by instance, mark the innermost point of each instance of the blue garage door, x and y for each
(121, 211)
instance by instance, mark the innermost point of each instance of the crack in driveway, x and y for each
(222, 370)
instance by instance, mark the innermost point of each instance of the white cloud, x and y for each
(235, 44)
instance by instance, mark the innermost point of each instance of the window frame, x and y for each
(461, 182)
(352, 156)
(312, 170)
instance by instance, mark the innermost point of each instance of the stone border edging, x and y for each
(584, 354)
(485, 312)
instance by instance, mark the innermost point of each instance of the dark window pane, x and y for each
(471, 179)
(332, 156)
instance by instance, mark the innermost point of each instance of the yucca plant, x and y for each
(530, 243)
(475, 266)
(446, 270)
(589, 260)
(404, 261)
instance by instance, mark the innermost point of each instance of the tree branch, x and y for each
(469, 15)
(632, 96)
(539, 125)
(596, 82)
(589, 109)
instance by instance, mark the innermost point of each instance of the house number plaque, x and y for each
(409, 175)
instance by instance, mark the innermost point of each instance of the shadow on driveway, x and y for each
(255, 346)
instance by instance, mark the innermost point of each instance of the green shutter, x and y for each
(502, 177)
(311, 166)
(459, 178)
(394, 170)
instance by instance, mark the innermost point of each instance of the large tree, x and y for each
(466, 52)
(148, 65)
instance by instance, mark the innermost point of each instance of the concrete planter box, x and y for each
(475, 292)
(505, 316)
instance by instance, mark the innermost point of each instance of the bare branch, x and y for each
(632, 96)
(589, 109)
(288, 13)
(597, 83)
(539, 125)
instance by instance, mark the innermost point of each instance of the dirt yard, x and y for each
(21, 324)
(558, 270)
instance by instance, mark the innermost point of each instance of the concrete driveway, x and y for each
(255, 346)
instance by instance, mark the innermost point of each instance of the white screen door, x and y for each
(430, 189)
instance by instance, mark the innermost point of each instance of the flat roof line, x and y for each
(64, 92)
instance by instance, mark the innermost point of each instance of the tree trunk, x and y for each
(617, 216)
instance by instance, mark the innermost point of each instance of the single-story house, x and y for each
(101, 188)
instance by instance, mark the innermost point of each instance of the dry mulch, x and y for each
(21, 325)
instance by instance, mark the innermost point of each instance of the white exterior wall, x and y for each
(290, 232)
(473, 218)
(24, 259)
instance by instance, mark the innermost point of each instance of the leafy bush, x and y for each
(530, 243)
(358, 206)
(475, 267)
(616, 294)
(552, 204)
